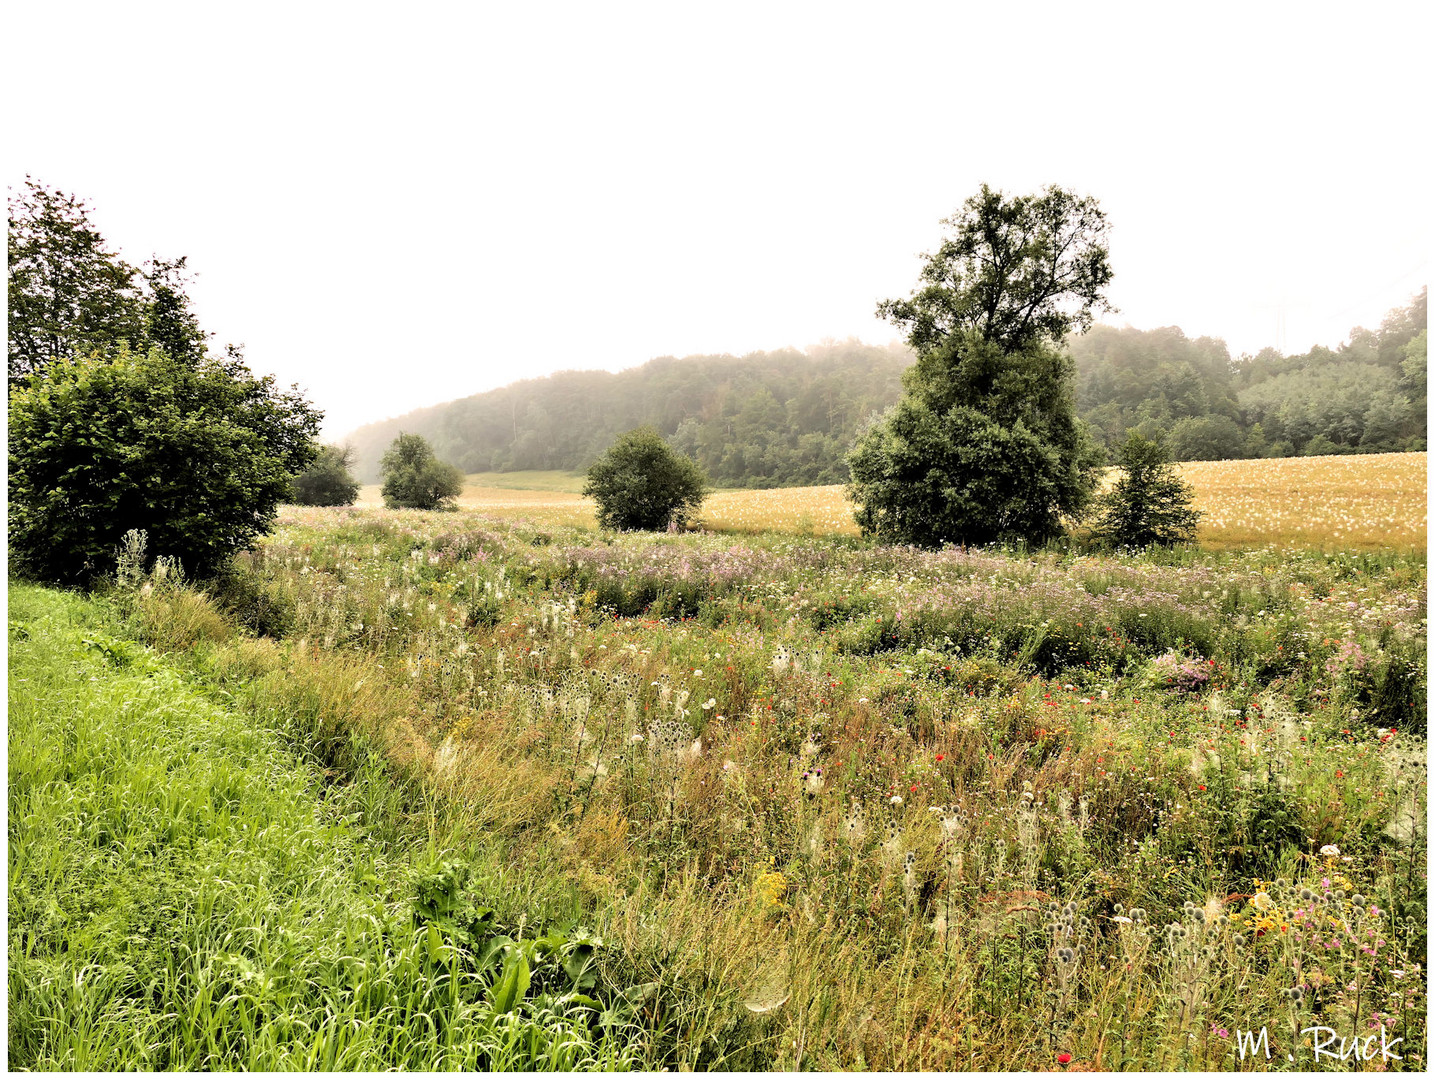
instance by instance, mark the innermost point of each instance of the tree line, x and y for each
(762, 420)
(781, 418)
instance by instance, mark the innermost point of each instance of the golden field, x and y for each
(1357, 501)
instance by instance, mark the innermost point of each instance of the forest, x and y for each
(787, 417)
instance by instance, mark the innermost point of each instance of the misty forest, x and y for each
(787, 417)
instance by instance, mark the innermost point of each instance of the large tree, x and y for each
(985, 444)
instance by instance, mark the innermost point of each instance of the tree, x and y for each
(640, 483)
(66, 293)
(328, 482)
(198, 456)
(1150, 504)
(415, 479)
(70, 297)
(985, 443)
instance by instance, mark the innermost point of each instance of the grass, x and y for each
(793, 801)
(187, 893)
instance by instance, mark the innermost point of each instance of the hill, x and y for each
(760, 420)
(784, 418)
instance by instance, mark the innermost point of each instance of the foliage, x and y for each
(788, 418)
(70, 297)
(1150, 503)
(198, 457)
(765, 419)
(414, 478)
(181, 898)
(858, 767)
(327, 482)
(985, 444)
(169, 322)
(640, 483)
(66, 292)
(1015, 271)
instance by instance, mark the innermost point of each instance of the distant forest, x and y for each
(772, 419)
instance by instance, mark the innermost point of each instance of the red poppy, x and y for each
(1063, 1059)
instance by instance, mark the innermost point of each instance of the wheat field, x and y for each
(1357, 502)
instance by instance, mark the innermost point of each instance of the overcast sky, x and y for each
(399, 205)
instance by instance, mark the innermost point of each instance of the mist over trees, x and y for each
(762, 420)
(1368, 395)
(788, 418)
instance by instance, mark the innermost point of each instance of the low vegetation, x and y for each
(825, 805)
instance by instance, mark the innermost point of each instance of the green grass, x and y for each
(185, 893)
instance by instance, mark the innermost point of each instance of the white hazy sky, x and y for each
(398, 205)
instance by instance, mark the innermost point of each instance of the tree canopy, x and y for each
(1016, 270)
(327, 482)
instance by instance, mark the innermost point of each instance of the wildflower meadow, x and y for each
(769, 801)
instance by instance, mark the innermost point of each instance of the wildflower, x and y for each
(1262, 901)
(895, 800)
(1330, 850)
(1063, 1059)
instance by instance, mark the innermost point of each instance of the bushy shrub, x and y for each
(328, 481)
(415, 479)
(198, 456)
(640, 483)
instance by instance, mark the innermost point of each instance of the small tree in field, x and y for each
(415, 478)
(640, 483)
(1151, 504)
(328, 481)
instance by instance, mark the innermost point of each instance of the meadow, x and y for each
(768, 800)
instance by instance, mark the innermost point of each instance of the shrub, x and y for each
(414, 478)
(328, 481)
(196, 455)
(640, 483)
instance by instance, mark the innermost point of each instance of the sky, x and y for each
(394, 206)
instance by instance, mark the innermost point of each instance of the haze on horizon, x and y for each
(394, 214)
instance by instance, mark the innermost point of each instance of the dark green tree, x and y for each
(414, 478)
(985, 444)
(198, 456)
(67, 294)
(1150, 504)
(328, 481)
(640, 483)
